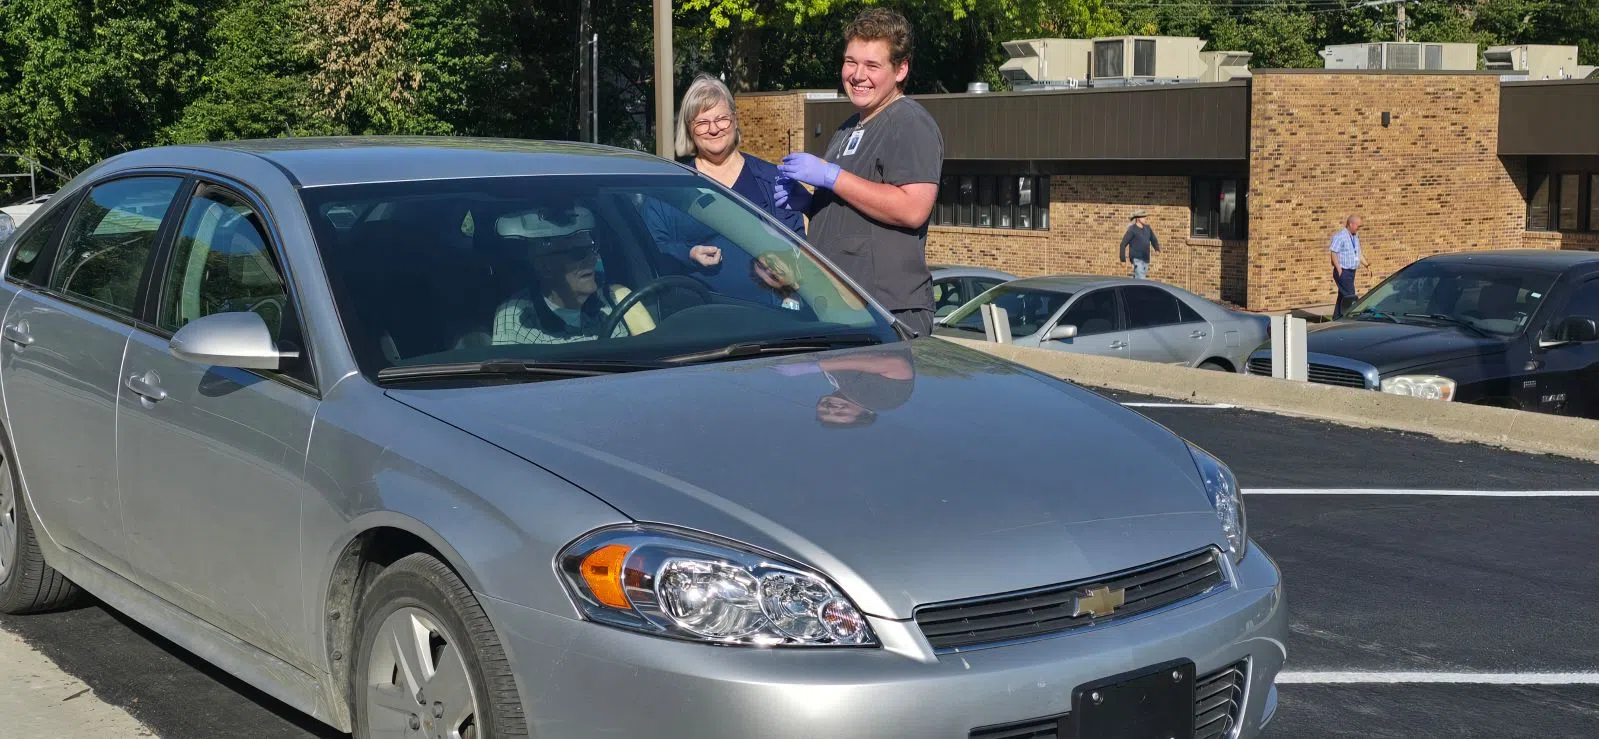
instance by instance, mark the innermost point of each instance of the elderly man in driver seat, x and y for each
(565, 303)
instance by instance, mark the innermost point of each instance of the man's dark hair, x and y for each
(883, 24)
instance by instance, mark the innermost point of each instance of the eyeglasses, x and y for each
(721, 123)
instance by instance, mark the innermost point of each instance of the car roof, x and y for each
(961, 270)
(322, 161)
(1073, 283)
(1549, 259)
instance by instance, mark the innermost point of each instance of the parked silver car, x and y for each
(954, 285)
(1117, 317)
(438, 438)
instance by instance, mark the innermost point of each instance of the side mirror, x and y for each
(1572, 330)
(239, 339)
(1061, 332)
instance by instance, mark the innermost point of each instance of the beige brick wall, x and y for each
(1568, 241)
(1088, 215)
(771, 124)
(1431, 182)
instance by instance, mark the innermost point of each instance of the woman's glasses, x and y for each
(719, 124)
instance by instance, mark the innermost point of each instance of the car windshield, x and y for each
(1490, 299)
(1026, 309)
(579, 268)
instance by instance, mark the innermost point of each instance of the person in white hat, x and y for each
(566, 303)
(1137, 242)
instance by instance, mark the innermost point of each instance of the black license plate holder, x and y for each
(1152, 703)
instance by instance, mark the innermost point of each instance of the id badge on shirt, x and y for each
(853, 143)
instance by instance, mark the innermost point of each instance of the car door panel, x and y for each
(1099, 325)
(63, 367)
(1157, 330)
(1567, 381)
(63, 348)
(212, 459)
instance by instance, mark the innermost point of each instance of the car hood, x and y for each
(1393, 346)
(976, 476)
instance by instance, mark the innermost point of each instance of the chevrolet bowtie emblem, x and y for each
(1098, 600)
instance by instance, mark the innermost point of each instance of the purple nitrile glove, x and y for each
(809, 169)
(791, 195)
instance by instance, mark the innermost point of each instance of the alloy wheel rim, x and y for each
(9, 541)
(416, 681)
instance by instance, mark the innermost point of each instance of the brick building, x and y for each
(1245, 181)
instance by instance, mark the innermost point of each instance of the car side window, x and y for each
(221, 263)
(1186, 314)
(981, 285)
(1585, 300)
(1092, 313)
(107, 244)
(948, 294)
(1149, 307)
(25, 259)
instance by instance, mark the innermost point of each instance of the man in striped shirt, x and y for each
(1346, 258)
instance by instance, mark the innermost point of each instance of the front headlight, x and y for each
(1222, 489)
(687, 586)
(1431, 387)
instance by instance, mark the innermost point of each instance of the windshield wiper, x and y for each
(794, 345)
(1443, 318)
(512, 368)
(1374, 314)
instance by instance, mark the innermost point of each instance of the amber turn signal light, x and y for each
(602, 572)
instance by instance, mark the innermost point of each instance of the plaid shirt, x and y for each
(1347, 246)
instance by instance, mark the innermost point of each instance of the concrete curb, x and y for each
(1538, 433)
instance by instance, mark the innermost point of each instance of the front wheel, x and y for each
(429, 665)
(1213, 365)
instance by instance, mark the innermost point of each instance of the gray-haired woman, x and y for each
(708, 140)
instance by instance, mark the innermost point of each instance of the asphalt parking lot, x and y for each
(1435, 590)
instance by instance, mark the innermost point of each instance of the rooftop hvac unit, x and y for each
(1535, 62)
(1045, 60)
(1407, 56)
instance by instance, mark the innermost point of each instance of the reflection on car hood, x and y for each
(1392, 346)
(973, 477)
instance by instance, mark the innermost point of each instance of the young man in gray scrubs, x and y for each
(876, 188)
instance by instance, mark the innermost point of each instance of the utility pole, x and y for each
(664, 88)
(585, 73)
(1399, 22)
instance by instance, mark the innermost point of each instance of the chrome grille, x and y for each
(1323, 374)
(1218, 701)
(1218, 698)
(1051, 610)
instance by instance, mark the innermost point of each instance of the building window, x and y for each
(1567, 201)
(994, 201)
(1217, 207)
(1538, 204)
(1144, 58)
(1566, 220)
(1593, 202)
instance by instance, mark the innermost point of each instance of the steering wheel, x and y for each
(657, 285)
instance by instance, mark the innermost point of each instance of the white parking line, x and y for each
(1458, 493)
(1178, 405)
(1465, 678)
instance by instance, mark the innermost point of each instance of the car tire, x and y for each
(1213, 365)
(419, 601)
(27, 583)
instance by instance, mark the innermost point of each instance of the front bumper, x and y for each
(580, 679)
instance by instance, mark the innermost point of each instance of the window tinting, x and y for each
(1148, 307)
(1593, 202)
(222, 264)
(993, 201)
(25, 260)
(1585, 301)
(1567, 219)
(108, 241)
(1218, 208)
(1093, 313)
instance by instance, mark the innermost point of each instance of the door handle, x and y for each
(1118, 345)
(146, 387)
(17, 333)
(1198, 335)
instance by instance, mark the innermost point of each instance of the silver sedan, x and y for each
(450, 438)
(1117, 317)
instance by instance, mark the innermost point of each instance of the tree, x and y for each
(361, 76)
